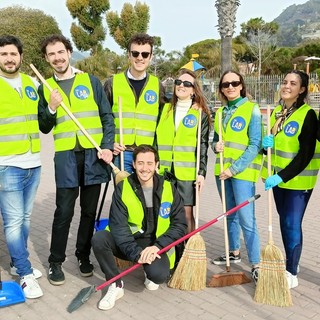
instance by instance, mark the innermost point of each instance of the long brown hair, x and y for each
(197, 97)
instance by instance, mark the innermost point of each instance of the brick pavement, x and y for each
(211, 303)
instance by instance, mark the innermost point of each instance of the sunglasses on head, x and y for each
(144, 54)
(185, 83)
(234, 84)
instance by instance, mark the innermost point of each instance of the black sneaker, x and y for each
(86, 267)
(223, 260)
(255, 274)
(56, 275)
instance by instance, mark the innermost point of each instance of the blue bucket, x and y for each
(101, 224)
(11, 293)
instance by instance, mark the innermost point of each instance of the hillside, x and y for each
(299, 22)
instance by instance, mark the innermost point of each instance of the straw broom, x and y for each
(191, 271)
(272, 286)
(227, 278)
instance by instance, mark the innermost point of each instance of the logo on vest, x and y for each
(237, 124)
(291, 128)
(81, 92)
(165, 209)
(150, 97)
(189, 121)
(31, 93)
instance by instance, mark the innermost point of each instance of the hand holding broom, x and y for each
(272, 286)
(116, 171)
(85, 293)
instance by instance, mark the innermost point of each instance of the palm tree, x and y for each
(226, 10)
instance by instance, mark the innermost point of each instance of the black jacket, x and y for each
(96, 171)
(118, 219)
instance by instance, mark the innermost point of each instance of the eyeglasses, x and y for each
(185, 83)
(234, 84)
(144, 54)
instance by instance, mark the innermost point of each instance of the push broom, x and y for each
(272, 286)
(191, 271)
(227, 278)
(85, 293)
(120, 175)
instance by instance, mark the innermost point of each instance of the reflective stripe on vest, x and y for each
(236, 139)
(139, 119)
(136, 212)
(286, 147)
(19, 128)
(178, 146)
(83, 106)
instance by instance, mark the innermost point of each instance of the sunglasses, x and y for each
(234, 84)
(185, 83)
(144, 54)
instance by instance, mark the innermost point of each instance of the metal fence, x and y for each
(264, 90)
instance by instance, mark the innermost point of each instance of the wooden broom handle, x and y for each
(223, 198)
(74, 119)
(197, 169)
(269, 174)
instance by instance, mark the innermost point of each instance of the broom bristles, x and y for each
(272, 286)
(191, 271)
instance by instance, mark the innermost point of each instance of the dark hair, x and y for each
(243, 92)
(144, 148)
(52, 40)
(198, 96)
(8, 39)
(304, 83)
(141, 38)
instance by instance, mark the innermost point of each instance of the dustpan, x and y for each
(10, 293)
(101, 224)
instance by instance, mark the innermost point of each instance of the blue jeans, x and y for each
(238, 191)
(128, 158)
(18, 189)
(291, 206)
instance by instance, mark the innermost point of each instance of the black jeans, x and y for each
(65, 202)
(105, 250)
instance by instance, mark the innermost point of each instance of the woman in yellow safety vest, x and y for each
(176, 138)
(295, 163)
(240, 146)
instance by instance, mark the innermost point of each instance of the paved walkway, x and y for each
(227, 303)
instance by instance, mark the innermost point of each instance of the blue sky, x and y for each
(178, 22)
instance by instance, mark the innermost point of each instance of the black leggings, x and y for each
(105, 250)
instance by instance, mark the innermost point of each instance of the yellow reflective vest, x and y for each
(236, 139)
(139, 119)
(178, 147)
(136, 212)
(286, 147)
(19, 128)
(83, 106)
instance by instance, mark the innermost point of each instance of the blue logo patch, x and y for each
(189, 121)
(238, 124)
(165, 209)
(150, 97)
(81, 92)
(31, 93)
(291, 128)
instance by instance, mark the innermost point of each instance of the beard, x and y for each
(61, 69)
(5, 69)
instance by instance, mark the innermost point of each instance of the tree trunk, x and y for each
(226, 54)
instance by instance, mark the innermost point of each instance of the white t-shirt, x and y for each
(26, 160)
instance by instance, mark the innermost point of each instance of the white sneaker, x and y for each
(13, 271)
(150, 285)
(30, 287)
(109, 300)
(292, 280)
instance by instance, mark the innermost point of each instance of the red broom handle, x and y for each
(187, 236)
